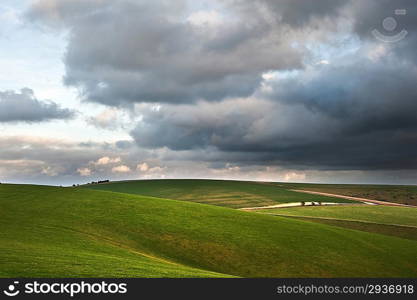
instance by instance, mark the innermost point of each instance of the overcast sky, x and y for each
(274, 90)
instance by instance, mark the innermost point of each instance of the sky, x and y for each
(272, 90)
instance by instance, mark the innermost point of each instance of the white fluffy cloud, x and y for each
(121, 169)
(107, 160)
(143, 167)
(84, 172)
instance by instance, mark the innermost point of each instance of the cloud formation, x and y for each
(24, 107)
(158, 52)
(52, 161)
(245, 85)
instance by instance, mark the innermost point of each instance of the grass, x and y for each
(392, 230)
(377, 214)
(390, 193)
(376, 219)
(233, 194)
(67, 232)
(44, 233)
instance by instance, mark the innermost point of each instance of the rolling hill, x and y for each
(395, 221)
(376, 214)
(76, 232)
(233, 194)
(403, 194)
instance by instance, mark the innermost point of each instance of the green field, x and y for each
(70, 232)
(377, 214)
(234, 194)
(388, 220)
(391, 193)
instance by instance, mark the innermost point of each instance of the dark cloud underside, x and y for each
(24, 107)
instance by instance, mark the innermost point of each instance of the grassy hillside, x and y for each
(392, 193)
(234, 194)
(377, 214)
(48, 231)
(377, 219)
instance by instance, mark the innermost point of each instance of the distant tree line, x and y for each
(94, 182)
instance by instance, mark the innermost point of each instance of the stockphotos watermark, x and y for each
(391, 33)
(59, 288)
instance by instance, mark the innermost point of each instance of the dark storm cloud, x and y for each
(318, 143)
(363, 95)
(24, 107)
(245, 126)
(140, 51)
(154, 59)
(294, 13)
(125, 145)
(354, 115)
(357, 113)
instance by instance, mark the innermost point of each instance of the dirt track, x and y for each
(298, 204)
